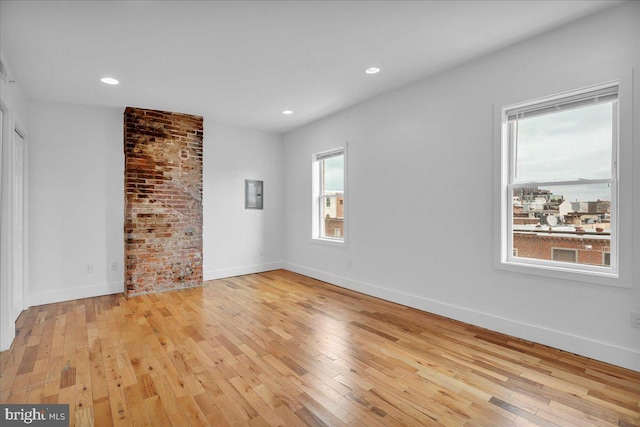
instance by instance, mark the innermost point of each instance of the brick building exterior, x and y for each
(589, 249)
(334, 216)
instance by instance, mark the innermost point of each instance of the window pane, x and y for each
(565, 146)
(550, 219)
(332, 187)
(333, 216)
(333, 173)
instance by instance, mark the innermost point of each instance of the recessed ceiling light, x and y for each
(287, 112)
(372, 70)
(109, 81)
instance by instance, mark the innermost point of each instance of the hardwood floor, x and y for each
(279, 349)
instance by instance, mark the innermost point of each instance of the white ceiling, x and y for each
(243, 62)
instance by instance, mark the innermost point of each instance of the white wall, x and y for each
(76, 200)
(76, 197)
(429, 145)
(237, 240)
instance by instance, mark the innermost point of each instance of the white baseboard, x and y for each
(48, 297)
(609, 353)
(239, 271)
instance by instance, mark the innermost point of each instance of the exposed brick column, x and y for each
(163, 200)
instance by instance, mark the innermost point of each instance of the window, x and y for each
(564, 255)
(329, 195)
(560, 181)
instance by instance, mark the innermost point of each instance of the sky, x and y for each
(567, 146)
(334, 174)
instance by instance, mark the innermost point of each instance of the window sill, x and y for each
(329, 242)
(563, 271)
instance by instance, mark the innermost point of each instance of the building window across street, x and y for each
(560, 178)
(329, 195)
(564, 255)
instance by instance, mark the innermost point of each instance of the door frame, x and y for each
(9, 313)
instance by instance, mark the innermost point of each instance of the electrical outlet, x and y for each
(114, 266)
(89, 268)
(348, 263)
(635, 319)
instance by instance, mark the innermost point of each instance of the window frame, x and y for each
(547, 104)
(622, 274)
(318, 234)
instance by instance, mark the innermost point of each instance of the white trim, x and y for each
(528, 184)
(606, 352)
(240, 271)
(81, 292)
(69, 294)
(329, 154)
(316, 196)
(25, 215)
(329, 241)
(7, 324)
(571, 99)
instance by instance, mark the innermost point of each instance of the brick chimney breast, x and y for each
(163, 200)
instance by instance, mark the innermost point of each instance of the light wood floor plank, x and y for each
(280, 349)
